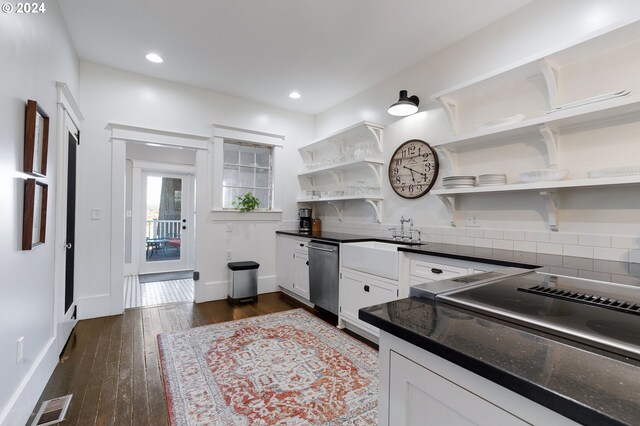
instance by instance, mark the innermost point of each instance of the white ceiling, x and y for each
(328, 50)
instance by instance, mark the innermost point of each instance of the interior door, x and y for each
(167, 222)
(71, 222)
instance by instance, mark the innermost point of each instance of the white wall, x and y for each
(109, 95)
(35, 52)
(540, 26)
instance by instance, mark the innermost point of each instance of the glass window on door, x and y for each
(247, 168)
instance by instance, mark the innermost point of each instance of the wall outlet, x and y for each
(228, 254)
(229, 227)
(472, 220)
(20, 350)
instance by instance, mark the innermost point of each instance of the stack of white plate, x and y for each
(492, 179)
(459, 181)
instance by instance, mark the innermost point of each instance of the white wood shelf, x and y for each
(361, 131)
(341, 167)
(547, 190)
(556, 121)
(559, 56)
(375, 201)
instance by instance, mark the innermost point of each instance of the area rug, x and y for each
(288, 368)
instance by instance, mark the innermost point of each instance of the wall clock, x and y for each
(413, 169)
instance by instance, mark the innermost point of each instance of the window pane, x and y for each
(229, 196)
(262, 178)
(231, 153)
(262, 157)
(230, 176)
(247, 156)
(263, 196)
(246, 176)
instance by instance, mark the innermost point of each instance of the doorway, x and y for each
(166, 215)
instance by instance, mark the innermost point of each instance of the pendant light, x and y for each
(406, 105)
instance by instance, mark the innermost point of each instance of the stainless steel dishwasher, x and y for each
(324, 268)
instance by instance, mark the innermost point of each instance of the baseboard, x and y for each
(296, 297)
(94, 306)
(24, 400)
(218, 290)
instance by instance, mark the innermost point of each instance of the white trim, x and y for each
(245, 135)
(219, 215)
(118, 206)
(65, 98)
(18, 409)
(151, 166)
(160, 137)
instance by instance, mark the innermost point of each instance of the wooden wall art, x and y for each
(36, 139)
(34, 220)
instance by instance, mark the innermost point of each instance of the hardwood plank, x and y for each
(155, 386)
(83, 375)
(106, 412)
(140, 414)
(124, 391)
(89, 408)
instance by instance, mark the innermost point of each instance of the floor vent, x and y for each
(52, 411)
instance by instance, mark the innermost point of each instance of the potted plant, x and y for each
(246, 202)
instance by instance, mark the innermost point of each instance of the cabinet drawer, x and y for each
(301, 246)
(435, 271)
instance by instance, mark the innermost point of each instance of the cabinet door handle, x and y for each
(436, 270)
(366, 288)
(301, 245)
(307, 263)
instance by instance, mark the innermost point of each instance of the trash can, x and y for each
(243, 282)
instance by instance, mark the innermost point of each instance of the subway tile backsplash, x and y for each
(603, 248)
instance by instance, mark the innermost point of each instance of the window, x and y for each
(247, 168)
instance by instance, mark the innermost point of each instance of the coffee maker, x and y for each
(304, 226)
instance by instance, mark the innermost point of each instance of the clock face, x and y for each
(413, 169)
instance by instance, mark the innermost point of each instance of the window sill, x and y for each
(235, 215)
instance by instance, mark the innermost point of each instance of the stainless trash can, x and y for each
(243, 282)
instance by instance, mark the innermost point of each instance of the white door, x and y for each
(301, 271)
(167, 222)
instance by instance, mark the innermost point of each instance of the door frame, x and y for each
(146, 168)
(68, 120)
(121, 134)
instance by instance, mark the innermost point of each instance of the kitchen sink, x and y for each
(372, 257)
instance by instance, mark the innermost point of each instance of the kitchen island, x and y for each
(450, 365)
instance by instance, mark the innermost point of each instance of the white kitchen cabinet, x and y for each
(345, 166)
(292, 261)
(418, 387)
(285, 262)
(417, 393)
(358, 290)
(418, 268)
(301, 268)
(583, 88)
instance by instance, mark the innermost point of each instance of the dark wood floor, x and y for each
(112, 367)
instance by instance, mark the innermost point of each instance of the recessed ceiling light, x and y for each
(154, 57)
(295, 95)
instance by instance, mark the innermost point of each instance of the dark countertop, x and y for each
(579, 382)
(582, 267)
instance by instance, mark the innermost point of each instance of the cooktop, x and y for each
(600, 314)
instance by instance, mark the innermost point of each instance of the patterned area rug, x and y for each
(289, 368)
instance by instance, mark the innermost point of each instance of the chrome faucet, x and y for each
(404, 236)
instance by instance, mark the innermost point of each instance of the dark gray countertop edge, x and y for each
(405, 247)
(559, 403)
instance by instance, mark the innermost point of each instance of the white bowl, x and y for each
(543, 175)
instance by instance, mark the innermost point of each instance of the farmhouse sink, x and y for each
(372, 257)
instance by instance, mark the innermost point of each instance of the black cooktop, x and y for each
(600, 314)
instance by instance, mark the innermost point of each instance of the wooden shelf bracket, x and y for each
(551, 202)
(550, 74)
(377, 209)
(450, 108)
(377, 172)
(449, 159)
(449, 204)
(550, 140)
(338, 177)
(338, 205)
(377, 134)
